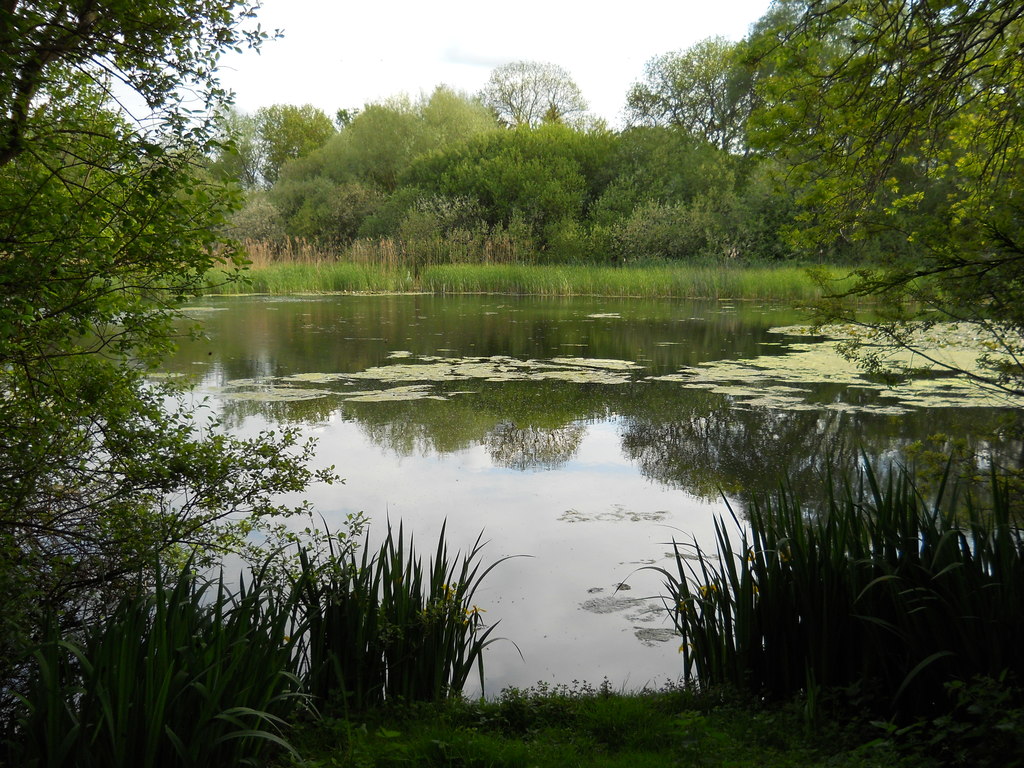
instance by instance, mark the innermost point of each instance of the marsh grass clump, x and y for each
(382, 627)
(311, 277)
(190, 673)
(881, 592)
(778, 283)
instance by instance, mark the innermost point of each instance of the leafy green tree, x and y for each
(906, 116)
(344, 116)
(371, 154)
(545, 178)
(239, 158)
(670, 165)
(106, 226)
(258, 220)
(256, 146)
(286, 132)
(531, 93)
(318, 209)
(707, 89)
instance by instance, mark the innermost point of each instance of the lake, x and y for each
(584, 433)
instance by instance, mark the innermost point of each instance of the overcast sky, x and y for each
(336, 54)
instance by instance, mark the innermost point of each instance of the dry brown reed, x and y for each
(263, 253)
(396, 253)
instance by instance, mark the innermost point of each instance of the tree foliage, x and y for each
(328, 194)
(286, 132)
(530, 93)
(258, 145)
(383, 139)
(706, 90)
(151, 48)
(906, 117)
(544, 179)
(239, 158)
(106, 226)
(437, 176)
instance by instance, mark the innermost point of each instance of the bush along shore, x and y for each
(881, 629)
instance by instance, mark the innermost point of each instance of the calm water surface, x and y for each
(550, 426)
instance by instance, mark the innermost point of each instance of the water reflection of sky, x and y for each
(584, 536)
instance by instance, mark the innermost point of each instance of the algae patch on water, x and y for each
(420, 392)
(422, 378)
(269, 394)
(788, 381)
(502, 368)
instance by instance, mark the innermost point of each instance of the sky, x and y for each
(335, 54)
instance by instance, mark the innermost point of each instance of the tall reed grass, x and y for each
(383, 628)
(193, 673)
(189, 675)
(880, 590)
(316, 277)
(675, 281)
(791, 284)
(499, 265)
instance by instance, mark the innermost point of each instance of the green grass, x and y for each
(555, 727)
(782, 283)
(764, 283)
(320, 277)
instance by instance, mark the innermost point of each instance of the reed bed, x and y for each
(383, 628)
(880, 591)
(315, 277)
(458, 248)
(189, 675)
(498, 265)
(682, 281)
(193, 673)
(790, 284)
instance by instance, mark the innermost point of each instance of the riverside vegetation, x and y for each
(883, 135)
(311, 270)
(890, 614)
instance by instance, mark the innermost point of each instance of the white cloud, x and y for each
(335, 55)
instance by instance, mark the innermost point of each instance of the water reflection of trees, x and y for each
(235, 412)
(706, 445)
(695, 440)
(522, 425)
(530, 447)
(421, 427)
(691, 439)
(277, 337)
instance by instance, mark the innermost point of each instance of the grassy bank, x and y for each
(321, 277)
(783, 283)
(553, 727)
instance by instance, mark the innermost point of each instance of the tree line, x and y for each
(523, 162)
